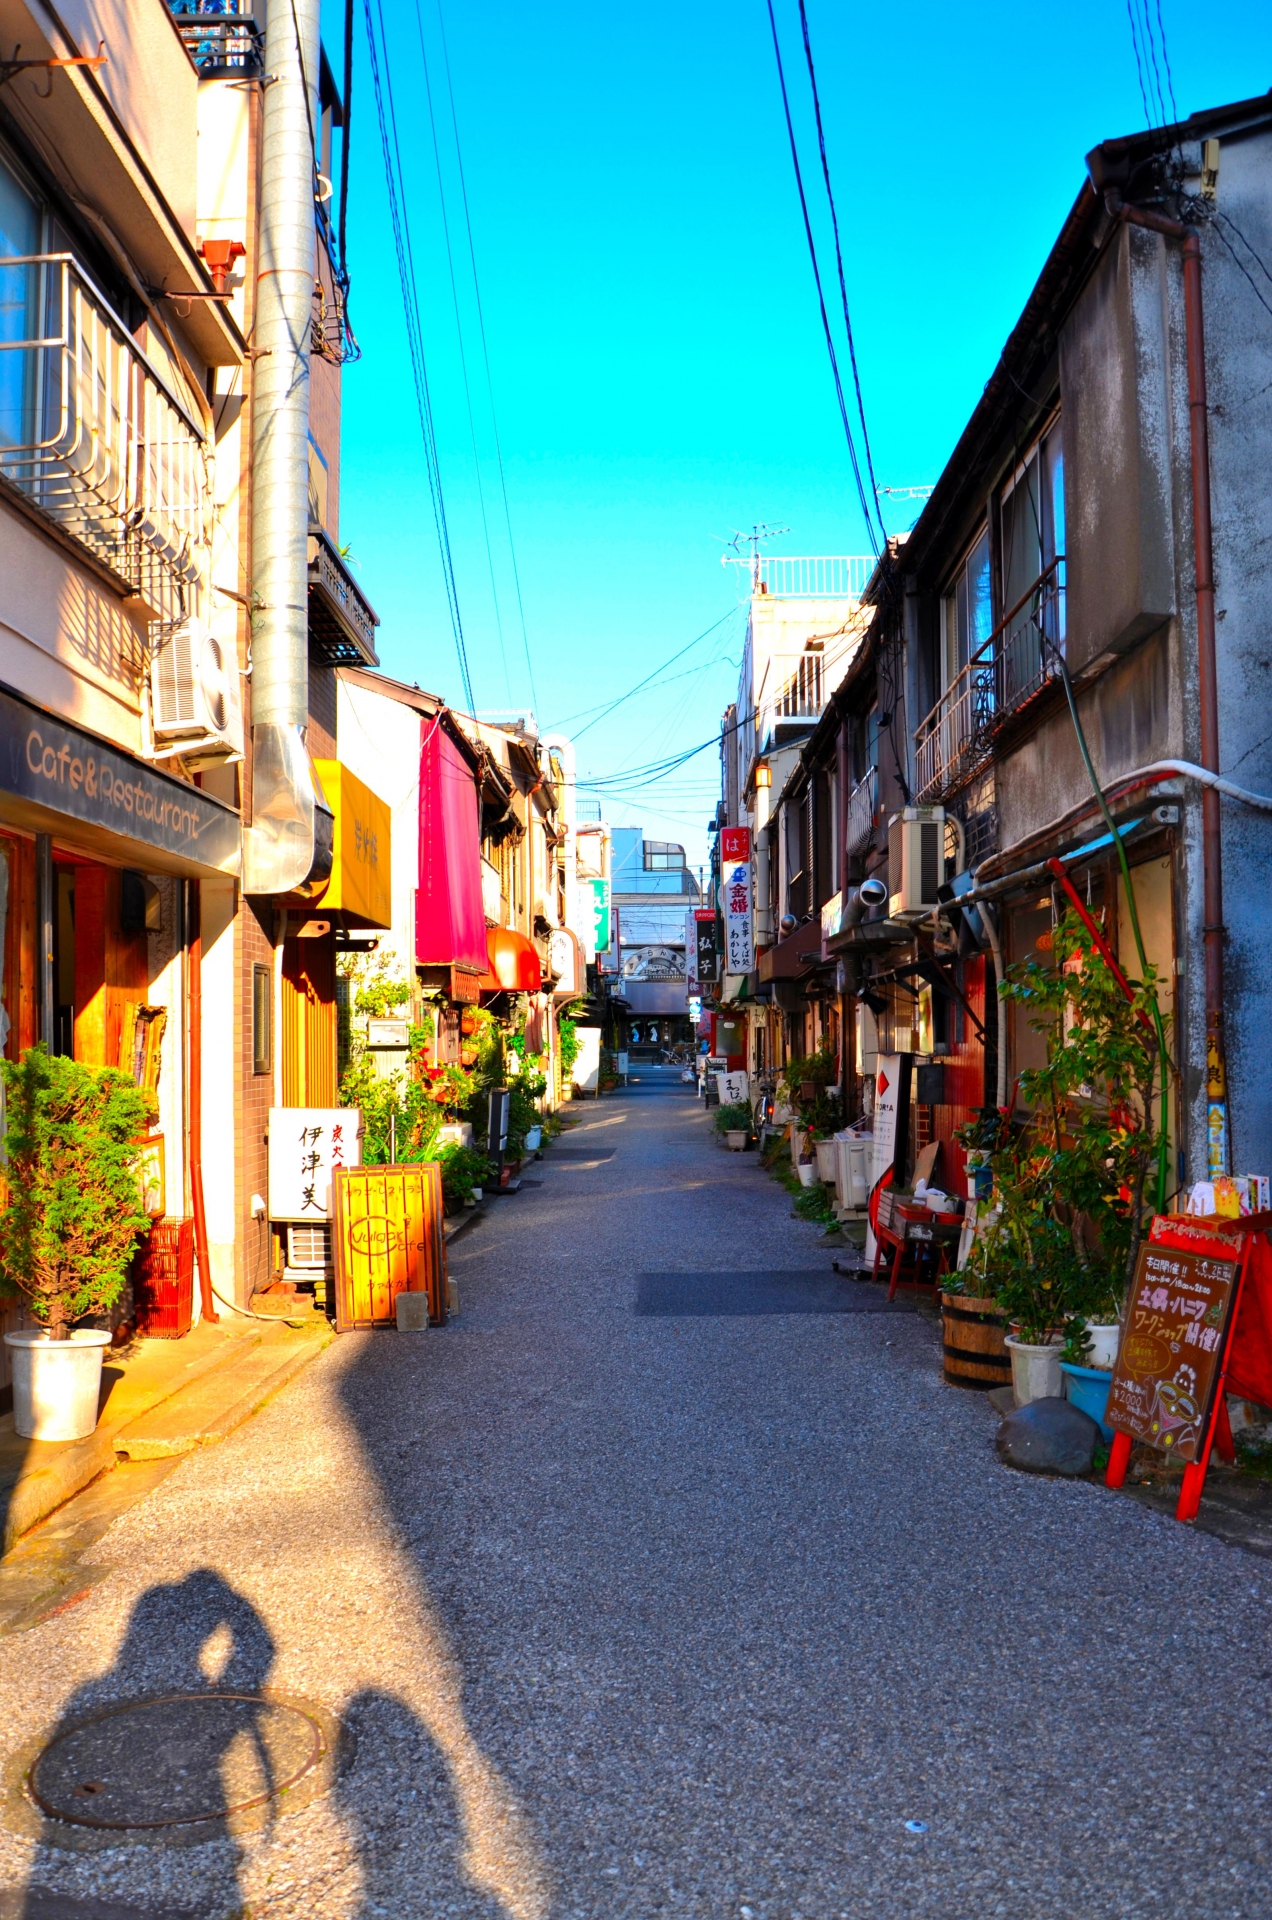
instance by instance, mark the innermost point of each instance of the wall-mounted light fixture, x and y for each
(763, 775)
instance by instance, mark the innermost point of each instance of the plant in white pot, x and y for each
(1071, 1182)
(73, 1220)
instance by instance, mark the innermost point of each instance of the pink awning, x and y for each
(450, 922)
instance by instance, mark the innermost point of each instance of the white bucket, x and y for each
(1102, 1344)
(534, 1139)
(1035, 1371)
(56, 1383)
(807, 1171)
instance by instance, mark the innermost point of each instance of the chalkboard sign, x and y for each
(1173, 1344)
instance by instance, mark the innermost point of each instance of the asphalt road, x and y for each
(700, 1616)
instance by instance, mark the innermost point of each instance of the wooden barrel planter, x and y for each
(973, 1342)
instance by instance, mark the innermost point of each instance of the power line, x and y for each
(1139, 64)
(485, 351)
(1170, 82)
(821, 297)
(839, 258)
(650, 677)
(463, 357)
(414, 338)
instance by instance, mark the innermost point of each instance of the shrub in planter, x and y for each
(1070, 1200)
(463, 1168)
(74, 1214)
(732, 1119)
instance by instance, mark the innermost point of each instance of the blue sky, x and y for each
(657, 363)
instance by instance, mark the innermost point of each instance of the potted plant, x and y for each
(734, 1122)
(72, 1222)
(1070, 1183)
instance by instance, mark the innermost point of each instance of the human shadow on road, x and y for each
(192, 1637)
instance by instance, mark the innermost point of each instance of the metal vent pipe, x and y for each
(288, 842)
(280, 367)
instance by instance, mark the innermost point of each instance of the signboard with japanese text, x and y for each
(306, 1145)
(735, 844)
(887, 1093)
(1173, 1341)
(706, 944)
(600, 934)
(739, 947)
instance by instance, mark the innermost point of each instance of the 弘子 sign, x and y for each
(52, 774)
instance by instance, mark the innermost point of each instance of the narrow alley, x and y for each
(628, 1596)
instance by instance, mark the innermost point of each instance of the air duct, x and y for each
(283, 848)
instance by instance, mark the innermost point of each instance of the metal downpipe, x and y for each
(279, 847)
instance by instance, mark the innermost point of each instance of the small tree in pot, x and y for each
(74, 1215)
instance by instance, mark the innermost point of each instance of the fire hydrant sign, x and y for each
(1176, 1325)
(306, 1145)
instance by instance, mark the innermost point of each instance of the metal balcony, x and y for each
(1004, 676)
(863, 804)
(342, 622)
(224, 41)
(92, 436)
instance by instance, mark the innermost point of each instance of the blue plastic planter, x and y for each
(1087, 1388)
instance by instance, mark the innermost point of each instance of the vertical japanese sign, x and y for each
(600, 915)
(706, 949)
(306, 1145)
(735, 862)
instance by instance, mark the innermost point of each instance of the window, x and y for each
(20, 233)
(967, 610)
(262, 1019)
(1032, 518)
(660, 858)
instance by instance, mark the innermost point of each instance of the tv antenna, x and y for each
(761, 530)
(904, 493)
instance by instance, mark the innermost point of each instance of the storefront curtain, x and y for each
(450, 921)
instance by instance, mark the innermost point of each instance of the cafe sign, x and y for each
(51, 774)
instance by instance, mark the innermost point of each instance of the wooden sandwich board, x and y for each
(1168, 1384)
(387, 1239)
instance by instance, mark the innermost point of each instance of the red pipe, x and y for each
(195, 936)
(1096, 933)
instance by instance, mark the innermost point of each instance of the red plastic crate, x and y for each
(163, 1280)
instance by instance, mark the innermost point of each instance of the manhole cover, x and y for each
(177, 1761)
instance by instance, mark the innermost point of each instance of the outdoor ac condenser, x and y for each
(195, 696)
(916, 860)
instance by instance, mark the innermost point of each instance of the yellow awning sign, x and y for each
(360, 889)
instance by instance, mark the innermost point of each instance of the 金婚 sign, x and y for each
(306, 1146)
(739, 946)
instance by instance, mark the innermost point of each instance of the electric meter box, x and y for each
(916, 861)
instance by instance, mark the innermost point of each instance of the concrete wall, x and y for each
(152, 86)
(1118, 452)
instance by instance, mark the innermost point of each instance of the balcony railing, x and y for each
(836, 576)
(863, 803)
(1006, 672)
(342, 622)
(91, 435)
(222, 38)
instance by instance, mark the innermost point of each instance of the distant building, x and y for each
(653, 892)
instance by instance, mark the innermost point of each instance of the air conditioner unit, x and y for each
(916, 861)
(195, 697)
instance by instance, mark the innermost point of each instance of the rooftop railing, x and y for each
(91, 435)
(221, 37)
(837, 576)
(1007, 671)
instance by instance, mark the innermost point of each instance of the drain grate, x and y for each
(179, 1761)
(764, 1292)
